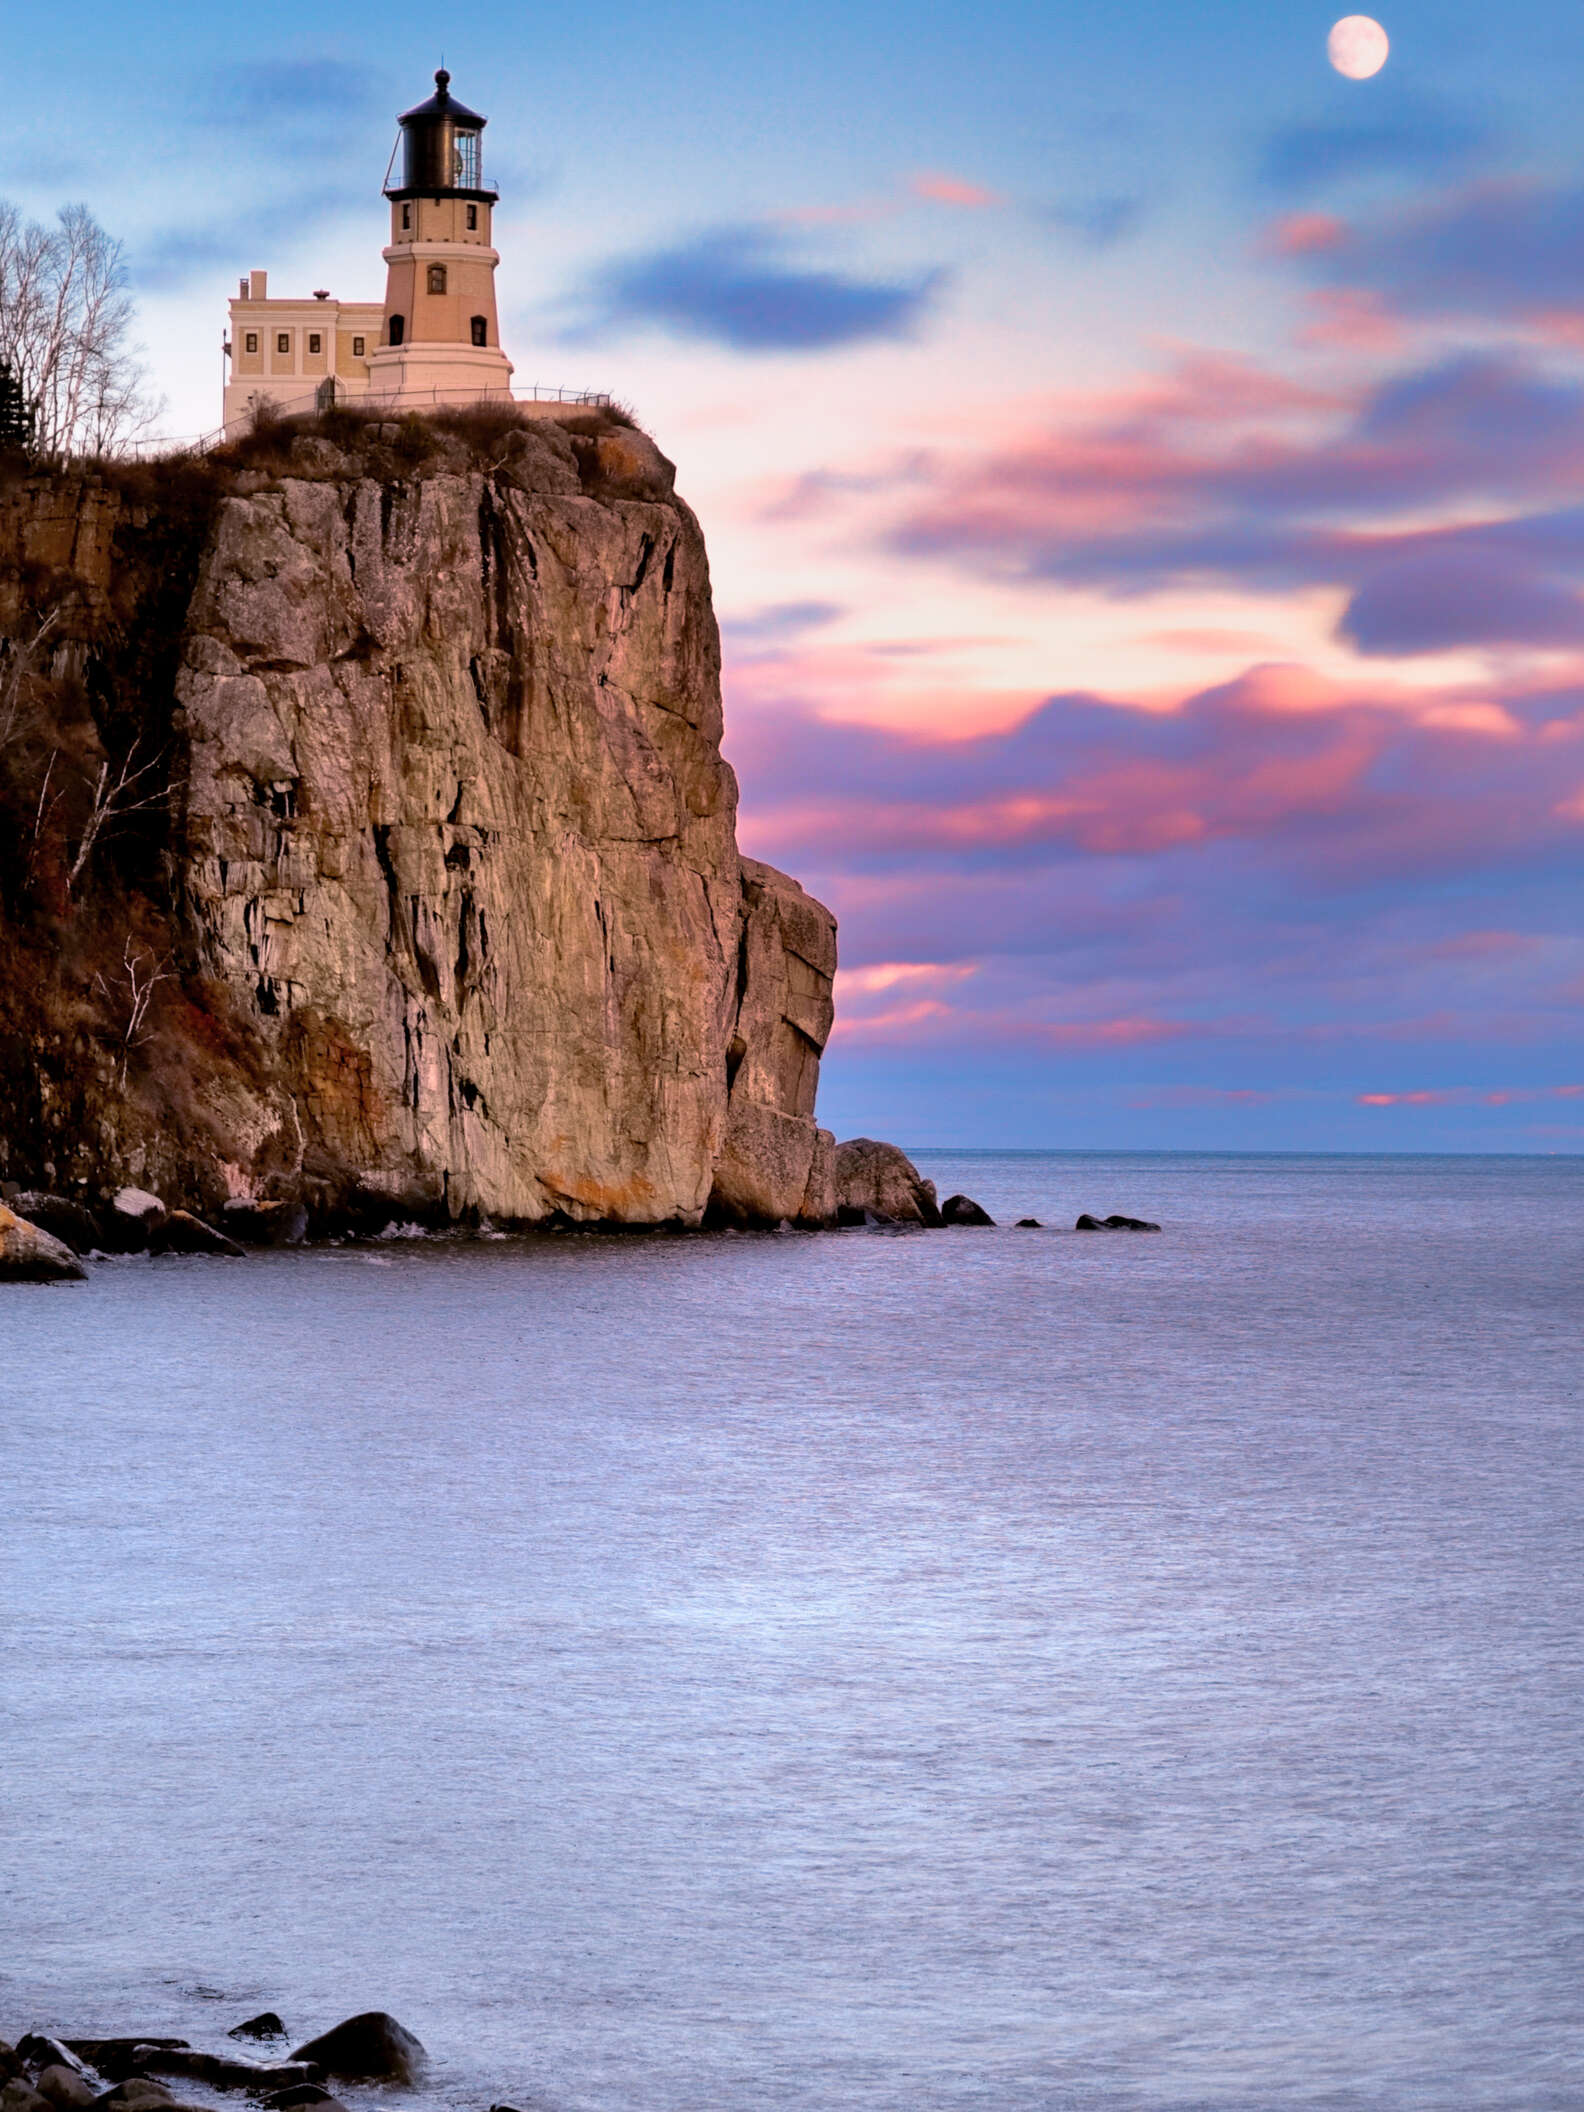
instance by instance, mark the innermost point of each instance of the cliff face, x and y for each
(449, 886)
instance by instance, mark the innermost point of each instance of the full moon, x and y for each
(1357, 47)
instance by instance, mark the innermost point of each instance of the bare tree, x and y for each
(142, 973)
(19, 658)
(65, 323)
(111, 796)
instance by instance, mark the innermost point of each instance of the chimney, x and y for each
(260, 284)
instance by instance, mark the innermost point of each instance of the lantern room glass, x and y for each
(468, 173)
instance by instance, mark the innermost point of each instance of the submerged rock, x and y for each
(28, 1255)
(1115, 1223)
(883, 1182)
(1029, 1224)
(371, 2047)
(963, 1210)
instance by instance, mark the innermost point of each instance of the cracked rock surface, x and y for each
(453, 858)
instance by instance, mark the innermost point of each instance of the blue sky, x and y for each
(1144, 477)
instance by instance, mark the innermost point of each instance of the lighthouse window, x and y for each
(398, 329)
(406, 216)
(467, 161)
(315, 342)
(472, 218)
(437, 282)
(480, 331)
(282, 341)
(252, 340)
(357, 348)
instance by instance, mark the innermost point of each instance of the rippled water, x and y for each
(952, 1670)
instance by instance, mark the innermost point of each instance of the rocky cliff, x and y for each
(427, 900)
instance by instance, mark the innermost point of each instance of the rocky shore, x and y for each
(64, 2073)
(47, 1238)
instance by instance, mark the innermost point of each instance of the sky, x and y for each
(1143, 474)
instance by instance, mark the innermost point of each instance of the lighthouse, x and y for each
(436, 341)
(439, 337)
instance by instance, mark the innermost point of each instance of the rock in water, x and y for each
(1114, 1223)
(28, 1255)
(1029, 1224)
(883, 1181)
(266, 2025)
(40, 2052)
(963, 1210)
(371, 2048)
(182, 1233)
(73, 1224)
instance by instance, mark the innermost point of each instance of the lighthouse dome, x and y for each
(442, 148)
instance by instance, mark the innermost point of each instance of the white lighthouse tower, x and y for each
(439, 339)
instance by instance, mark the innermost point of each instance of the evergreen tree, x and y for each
(17, 416)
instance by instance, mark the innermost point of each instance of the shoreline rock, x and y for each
(29, 1255)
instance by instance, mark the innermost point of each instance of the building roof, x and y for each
(443, 104)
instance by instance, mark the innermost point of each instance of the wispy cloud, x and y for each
(746, 287)
(1413, 139)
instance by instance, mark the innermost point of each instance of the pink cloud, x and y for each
(941, 189)
(1302, 234)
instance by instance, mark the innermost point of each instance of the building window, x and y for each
(437, 278)
(398, 329)
(283, 341)
(480, 330)
(357, 348)
(406, 216)
(251, 341)
(472, 218)
(315, 341)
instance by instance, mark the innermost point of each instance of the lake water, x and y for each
(875, 1670)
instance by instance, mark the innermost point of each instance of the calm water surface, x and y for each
(976, 1669)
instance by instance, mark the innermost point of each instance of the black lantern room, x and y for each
(442, 148)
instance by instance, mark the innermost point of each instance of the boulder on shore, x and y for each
(371, 2047)
(29, 1255)
(182, 1233)
(73, 1224)
(265, 1224)
(963, 1210)
(131, 1220)
(883, 1182)
(1115, 1223)
(67, 2089)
